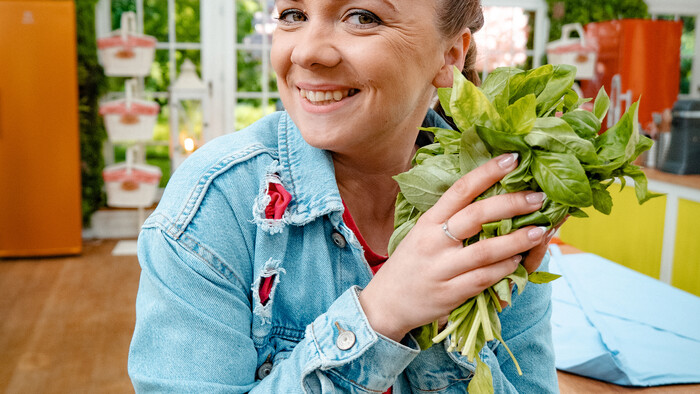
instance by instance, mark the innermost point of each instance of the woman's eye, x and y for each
(292, 16)
(363, 18)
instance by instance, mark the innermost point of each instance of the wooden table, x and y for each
(574, 384)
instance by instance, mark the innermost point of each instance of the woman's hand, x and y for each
(429, 274)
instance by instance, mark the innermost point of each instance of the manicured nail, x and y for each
(517, 258)
(507, 160)
(535, 197)
(536, 233)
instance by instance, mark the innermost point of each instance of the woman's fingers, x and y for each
(533, 258)
(477, 280)
(470, 186)
(488, 251)
(467, 222)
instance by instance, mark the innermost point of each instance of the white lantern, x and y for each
(189, 98)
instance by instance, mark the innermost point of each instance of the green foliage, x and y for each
(91, 85)
(535, 114)
(562, 12)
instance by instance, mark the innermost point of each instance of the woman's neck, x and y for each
(370, 195)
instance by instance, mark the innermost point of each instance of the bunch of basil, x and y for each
(535, 113)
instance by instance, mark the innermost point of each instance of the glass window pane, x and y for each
(155, 19)
(119, 7)
(245, 14)
(687, 52)
(503, 40)
(187, 21)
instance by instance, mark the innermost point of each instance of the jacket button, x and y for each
(264, 370)
(345, 340)
(338, 239)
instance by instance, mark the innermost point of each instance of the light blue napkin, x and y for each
(614, 324)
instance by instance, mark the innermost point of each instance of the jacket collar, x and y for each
(308, 173)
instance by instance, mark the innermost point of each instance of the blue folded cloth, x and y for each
(617, 325)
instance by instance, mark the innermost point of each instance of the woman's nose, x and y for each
(316, 46)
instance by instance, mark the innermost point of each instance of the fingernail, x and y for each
(535, 197)
(507, 160)
(536, 233)
(517, 258)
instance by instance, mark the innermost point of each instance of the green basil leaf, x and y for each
(584, 123)
(497, 86)
(640, 183)
(489, 230)
(644, 144)
(444, 95)
(499, 142)
(572, 101)
(447, 138)
(404, 211)
(561, 79)
(427, 151)
(621, 139)
(520, 178)
(505, 226)
(469, 105)
(555, 135)
(520, 116)
(400, 233)
(554, 212)
(601, 104)
(542, 277)
(519, 277)
(535, 82)
(536, 218)
(577, 212)
(424, 336)
(423, 184)
(602, 201)
(502, 288)
(562, 178)
(472, 151)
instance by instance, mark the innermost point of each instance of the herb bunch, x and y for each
(537, 114)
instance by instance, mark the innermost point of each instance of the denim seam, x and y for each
(469, 377)
(352, 382)
(188, 242)
(199, 191)
(286, 333)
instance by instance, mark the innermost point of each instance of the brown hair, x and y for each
(453, 16)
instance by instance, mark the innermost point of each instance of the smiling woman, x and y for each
(235, 298)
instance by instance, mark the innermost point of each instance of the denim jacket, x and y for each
(200, 323)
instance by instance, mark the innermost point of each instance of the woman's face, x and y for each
(357, 74)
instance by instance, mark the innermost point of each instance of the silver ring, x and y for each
(448, 233)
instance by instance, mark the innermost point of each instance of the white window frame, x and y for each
(679, 8)
(217, 62)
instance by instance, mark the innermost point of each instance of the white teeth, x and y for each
(320, 96)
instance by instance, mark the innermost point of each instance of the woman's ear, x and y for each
(454, 57)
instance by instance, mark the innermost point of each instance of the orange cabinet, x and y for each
(40, 211)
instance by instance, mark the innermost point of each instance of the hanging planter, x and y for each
(129, 119)
(574, 51)
(126, 53)
(131, 185)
